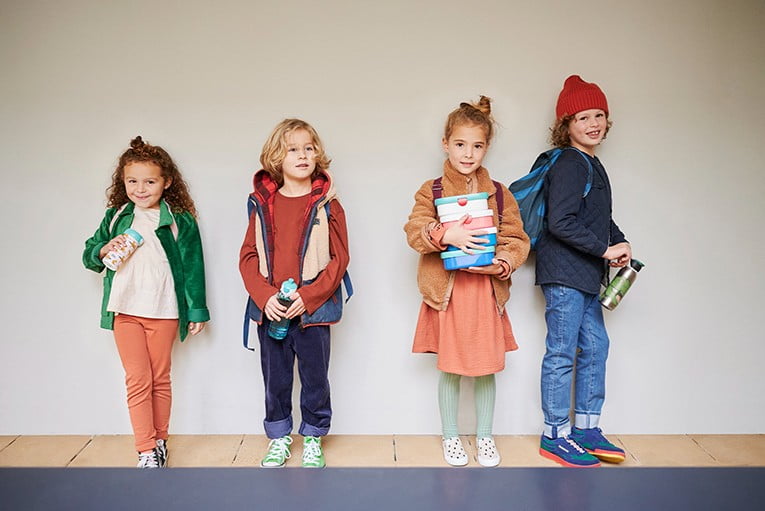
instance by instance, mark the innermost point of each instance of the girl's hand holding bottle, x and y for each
(464, 239)
(117, 243)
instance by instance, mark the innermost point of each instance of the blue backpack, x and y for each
(530, 197)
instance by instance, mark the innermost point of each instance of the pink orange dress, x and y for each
(470, 337)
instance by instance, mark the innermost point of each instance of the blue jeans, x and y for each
(575, 333)
(277, 360)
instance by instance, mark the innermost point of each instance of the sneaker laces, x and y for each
(279, 448)
(311, 450)
(575, 445)
(148, 460)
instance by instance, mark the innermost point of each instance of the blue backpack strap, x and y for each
(250, 303)
(246, 327)
(588, 186)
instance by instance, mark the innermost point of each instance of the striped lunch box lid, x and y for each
(461, 198)
(460, 253)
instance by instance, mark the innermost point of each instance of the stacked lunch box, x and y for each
(450, 210)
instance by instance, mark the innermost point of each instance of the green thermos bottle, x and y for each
(621, 283)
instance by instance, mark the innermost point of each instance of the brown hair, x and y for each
(477, 114)
(275, 149)
(176, 195)
(559, 135)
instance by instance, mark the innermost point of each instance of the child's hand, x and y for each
(618, 255)
(274, 310)
(464, 239)
(495, 268)
(297, 308)
(195, 328)
(115, 243)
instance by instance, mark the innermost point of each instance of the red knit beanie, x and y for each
(578, 95)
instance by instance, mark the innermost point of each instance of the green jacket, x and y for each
(184, 253)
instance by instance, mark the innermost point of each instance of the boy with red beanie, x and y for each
(573, 255)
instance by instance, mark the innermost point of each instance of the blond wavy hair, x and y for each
(275, 149)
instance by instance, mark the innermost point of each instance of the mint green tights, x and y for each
(448, 403)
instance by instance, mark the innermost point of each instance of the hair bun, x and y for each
(137, 142)
(484, 104)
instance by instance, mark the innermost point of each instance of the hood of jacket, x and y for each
(264, 188)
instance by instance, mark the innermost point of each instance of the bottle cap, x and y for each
(134, 234)
(636, 265)
(288, 287)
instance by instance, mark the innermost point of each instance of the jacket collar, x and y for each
(265, 188)
(456, 183)
(166, 216)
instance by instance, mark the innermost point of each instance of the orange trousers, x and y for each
(145, 346)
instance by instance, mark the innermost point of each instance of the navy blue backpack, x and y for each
(530, 197)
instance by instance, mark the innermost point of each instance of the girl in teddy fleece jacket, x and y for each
(462, 318)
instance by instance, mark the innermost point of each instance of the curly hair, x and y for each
(477, 114)
(559, 135)
(275, 149)
(177, 194)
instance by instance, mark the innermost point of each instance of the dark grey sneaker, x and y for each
(161, 451)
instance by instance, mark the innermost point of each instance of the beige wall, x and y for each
(208, 80)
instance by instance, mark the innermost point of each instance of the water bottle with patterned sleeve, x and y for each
(114, 258)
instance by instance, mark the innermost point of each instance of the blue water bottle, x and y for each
(278, 329)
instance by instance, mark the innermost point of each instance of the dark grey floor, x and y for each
(399, 489)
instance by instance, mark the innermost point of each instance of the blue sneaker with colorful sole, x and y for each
(595, 443)
(564, 451)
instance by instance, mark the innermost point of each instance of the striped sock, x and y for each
(448, 403)
(485, 392)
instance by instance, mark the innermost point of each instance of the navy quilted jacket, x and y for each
(579, 230)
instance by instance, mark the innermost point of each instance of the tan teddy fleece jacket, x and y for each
(435, 283)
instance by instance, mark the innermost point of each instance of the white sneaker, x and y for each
(148, 459)
(488, 455)
(454, 453)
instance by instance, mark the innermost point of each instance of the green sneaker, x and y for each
(313, 457)
(564, 451)
(596, 444)
(278, 452)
